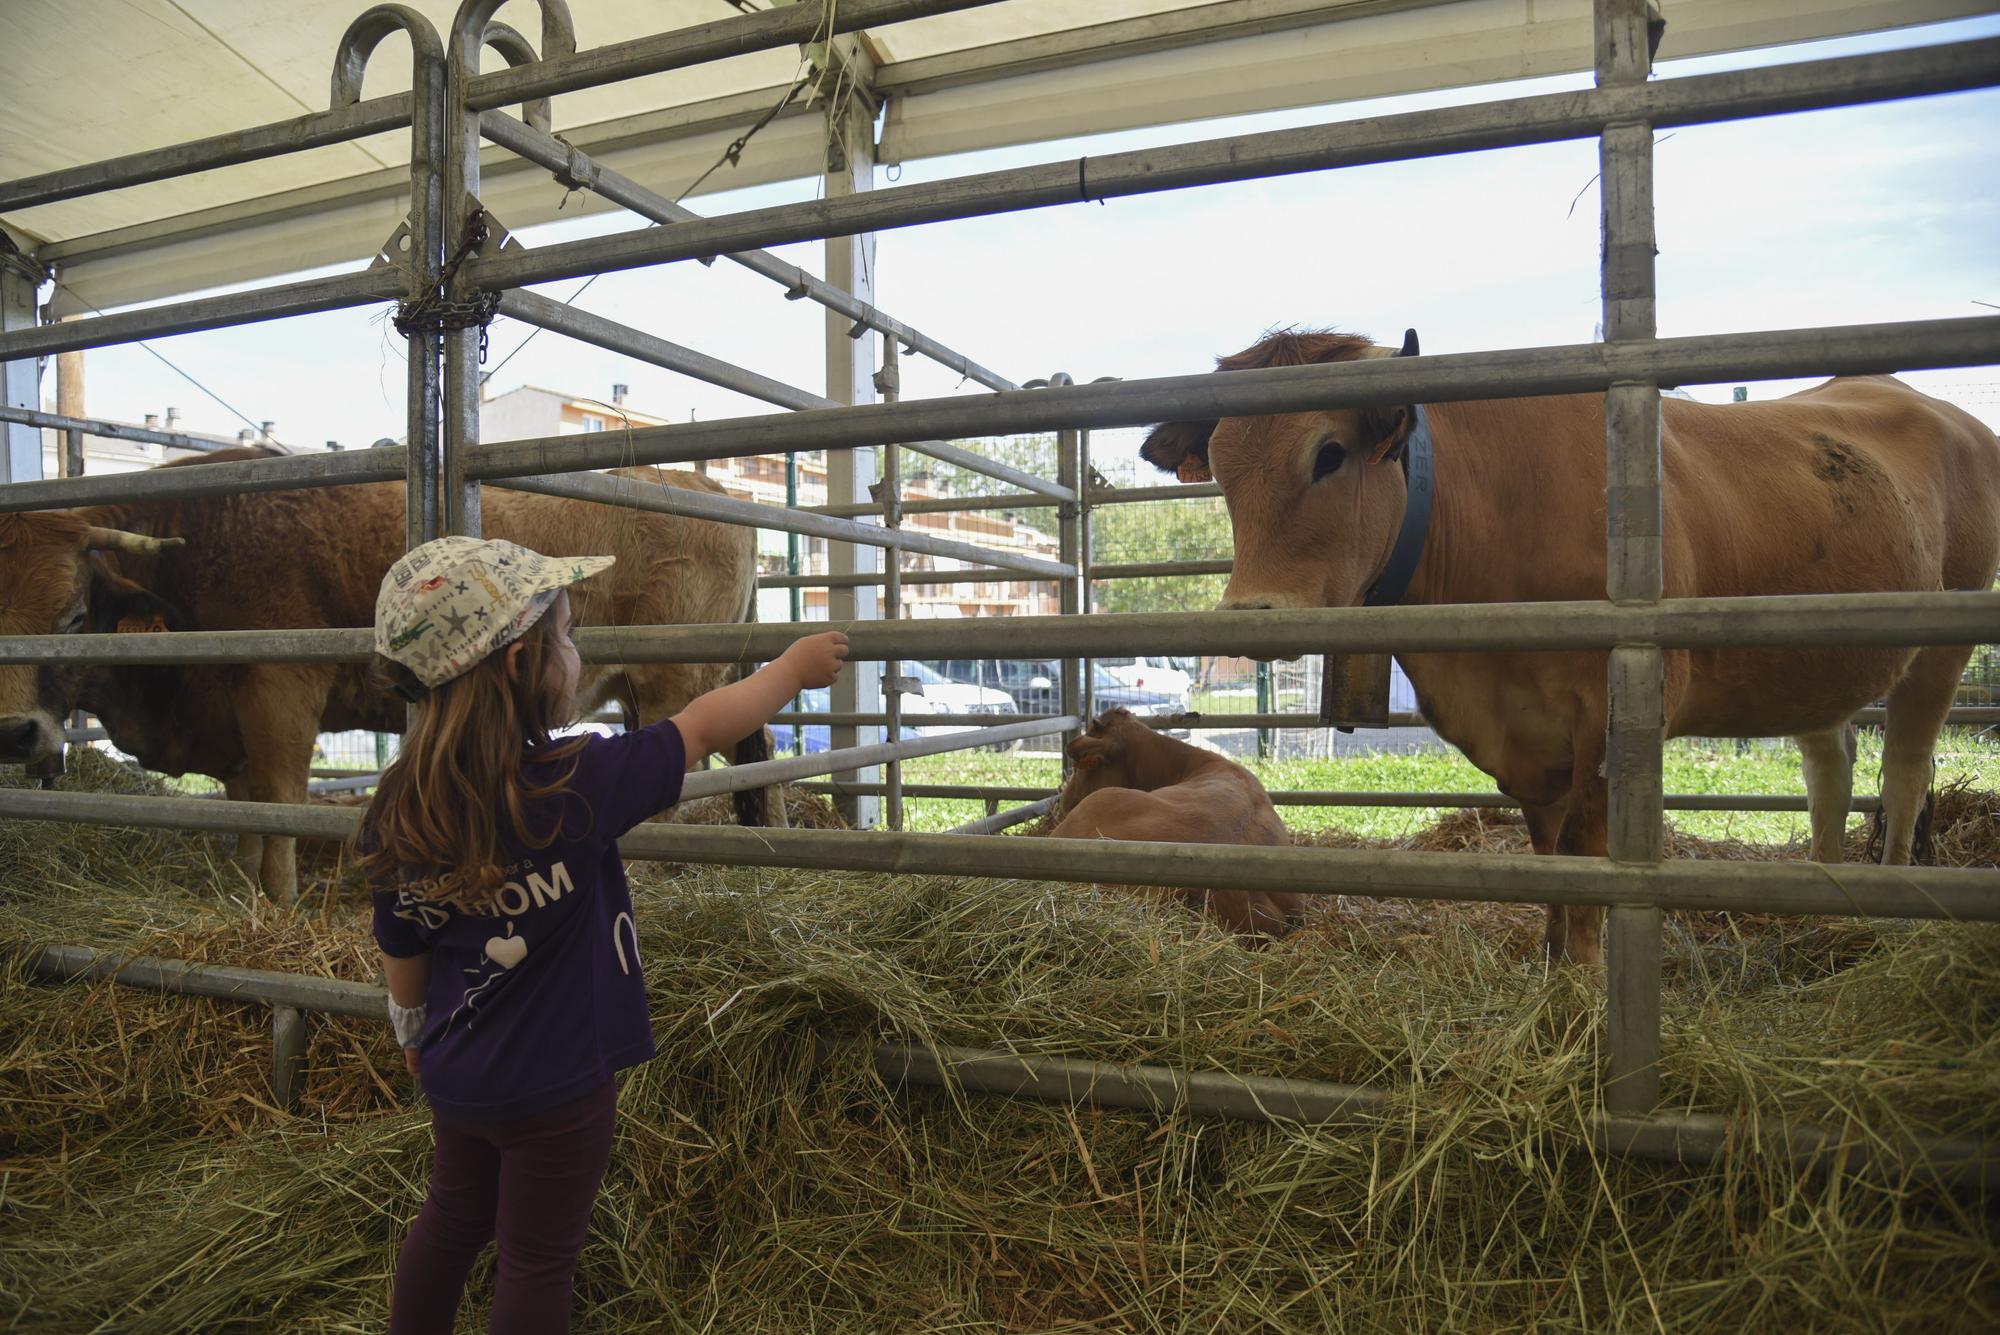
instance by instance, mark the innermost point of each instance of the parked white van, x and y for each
(1164, 675)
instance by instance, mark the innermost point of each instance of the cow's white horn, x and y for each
(135, 544)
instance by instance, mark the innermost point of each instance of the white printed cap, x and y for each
(451, 602)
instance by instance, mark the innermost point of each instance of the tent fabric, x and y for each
(87, 80)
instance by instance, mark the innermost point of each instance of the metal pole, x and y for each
(1085, 569)
(739, 778)
(458, 495)
(1876, 620)
(316, 130)
(762, 30)
(570, 165)
(996, 821)
(1944, 894)
(1159, 1089)
(976, 575)
(936, 505)
(1263, 707)
(288, 1056)
(1311, 797)
(889, 384)
(850, 364)
(1636, 676)
(20, 377)
(1069, 550)
(609, 334)
(1575, 369)
(418, 250)
(424, 405)
(792, 569)
(311, 295)
(1697, 99)
(108, 430)
(638, 495)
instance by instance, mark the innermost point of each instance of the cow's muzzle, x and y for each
(27, 739)
(1262, 602)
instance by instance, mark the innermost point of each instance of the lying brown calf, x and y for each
(1132, 783)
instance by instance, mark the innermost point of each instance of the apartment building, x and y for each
(533, 410)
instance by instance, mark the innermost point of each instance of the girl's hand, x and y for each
(817, 658)
(410, 1061)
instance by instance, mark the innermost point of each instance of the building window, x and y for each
(592, 422)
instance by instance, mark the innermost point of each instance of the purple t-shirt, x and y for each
(540, 1001)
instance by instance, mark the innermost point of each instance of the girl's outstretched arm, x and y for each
(725, 716)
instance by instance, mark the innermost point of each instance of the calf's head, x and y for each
(1315, 498)
(1112, 753)
(52, 584)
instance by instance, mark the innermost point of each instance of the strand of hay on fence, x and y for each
(765, 1180)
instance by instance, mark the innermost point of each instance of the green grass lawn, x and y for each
(1692, 766)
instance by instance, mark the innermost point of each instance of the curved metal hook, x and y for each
(470, 26)
(515, 50)
(358, 43)
(473, 28)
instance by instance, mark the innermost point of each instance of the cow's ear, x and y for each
(1180, 448)
(1087, 753)
(118, 606)
(1383, 429)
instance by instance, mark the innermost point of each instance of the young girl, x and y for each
(503, 914)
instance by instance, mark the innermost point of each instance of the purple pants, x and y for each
(527, 1185)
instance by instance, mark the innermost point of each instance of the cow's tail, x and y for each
(756, 807)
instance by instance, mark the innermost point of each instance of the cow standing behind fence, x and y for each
(1858, 485)
(307, 559)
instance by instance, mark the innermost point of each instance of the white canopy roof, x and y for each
(86, 80)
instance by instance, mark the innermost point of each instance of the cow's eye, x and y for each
(72, 623)
(1331, 456)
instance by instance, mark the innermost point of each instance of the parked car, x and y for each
(1035, 686)
(1166, 675)
(939, 694)
(818, 736)
(935, 694)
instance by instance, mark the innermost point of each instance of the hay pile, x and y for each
(148, 1186)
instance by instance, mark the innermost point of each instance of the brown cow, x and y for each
(1857, 485)
(315, 558)
(1132, 783)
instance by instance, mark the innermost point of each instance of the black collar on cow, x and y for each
(1414, 453)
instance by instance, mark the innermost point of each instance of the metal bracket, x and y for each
(579, 171)
(391, 253)
(497, 238)
(22, 262)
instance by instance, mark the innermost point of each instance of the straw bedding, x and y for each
(765, 1180)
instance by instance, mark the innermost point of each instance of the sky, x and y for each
(1875, 213)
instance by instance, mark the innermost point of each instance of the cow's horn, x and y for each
(134, 544)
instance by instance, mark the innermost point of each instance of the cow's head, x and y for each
(1315, 499)
(51, 583)
(1109, 754)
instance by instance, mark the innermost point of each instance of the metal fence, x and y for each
(453, 105)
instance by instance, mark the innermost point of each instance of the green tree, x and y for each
(1190, 530)
(1029, 454)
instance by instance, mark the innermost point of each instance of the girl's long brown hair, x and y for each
(433, 824)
